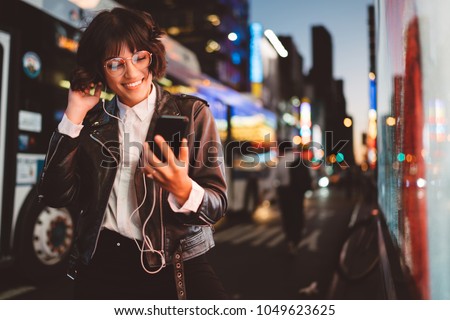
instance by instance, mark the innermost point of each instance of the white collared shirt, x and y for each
(121, 213)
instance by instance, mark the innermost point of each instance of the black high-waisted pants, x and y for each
(115, 272)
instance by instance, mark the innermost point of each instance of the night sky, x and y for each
(346, 20)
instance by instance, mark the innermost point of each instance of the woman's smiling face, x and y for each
(134, 85)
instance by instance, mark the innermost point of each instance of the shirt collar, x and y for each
(142, 109)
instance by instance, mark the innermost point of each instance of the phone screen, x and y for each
(172, 129)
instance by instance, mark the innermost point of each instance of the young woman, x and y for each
(144, 226)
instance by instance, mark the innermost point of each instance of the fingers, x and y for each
(150, 158)
(98, 90)
(184, 151)
(165, 149)
(170, 159)
(80, 101)
(86, 92)
(152, 173)
(76, 93)
(149, 171)
(168, 152)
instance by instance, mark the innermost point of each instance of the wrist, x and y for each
(76, 117)
(182, 194)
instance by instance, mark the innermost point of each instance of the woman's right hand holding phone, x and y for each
(81, 101)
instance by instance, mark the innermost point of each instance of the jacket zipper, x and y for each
(205, 219)
(163, 233)
(103, 218)
(47, 163)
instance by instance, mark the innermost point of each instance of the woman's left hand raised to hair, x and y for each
(173, 174)
(81, 101)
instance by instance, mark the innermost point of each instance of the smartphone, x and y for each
(172, 129)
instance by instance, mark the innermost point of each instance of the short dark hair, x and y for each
(104, 37)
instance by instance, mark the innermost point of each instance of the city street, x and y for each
(252, 259)
(357, 89)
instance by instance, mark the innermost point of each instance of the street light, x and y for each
(348, 122)
(281, 50)
(86, 4)
(232, 36)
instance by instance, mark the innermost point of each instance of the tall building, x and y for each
(216, 30)
(321, 73)
(291, 68)
(291, 85)
(343, 124)
(322, 69)
(328, 103)
(372, 48)
(371, 141)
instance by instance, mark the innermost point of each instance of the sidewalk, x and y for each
(268, 271)
(371, 286)
(328, 218)
(386, 280)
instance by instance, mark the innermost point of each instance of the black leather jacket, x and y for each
(82, 170)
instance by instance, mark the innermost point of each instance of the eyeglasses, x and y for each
(116, 67)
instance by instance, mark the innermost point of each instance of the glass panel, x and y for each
(4, 49)
(435, 50)
(414, 137)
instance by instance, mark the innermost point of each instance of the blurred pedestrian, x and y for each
(251, 194)
(293, 181)
(145, 225)
(301, 182)
(347, 177)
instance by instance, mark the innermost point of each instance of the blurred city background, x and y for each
(359, 85)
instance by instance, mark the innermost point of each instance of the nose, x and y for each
(131, 70)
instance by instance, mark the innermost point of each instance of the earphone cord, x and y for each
(109, 114)
(146, 239)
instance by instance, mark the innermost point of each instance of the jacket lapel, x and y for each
(105, 129)
(165, 105)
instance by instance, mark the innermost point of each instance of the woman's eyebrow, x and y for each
(112, 57)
